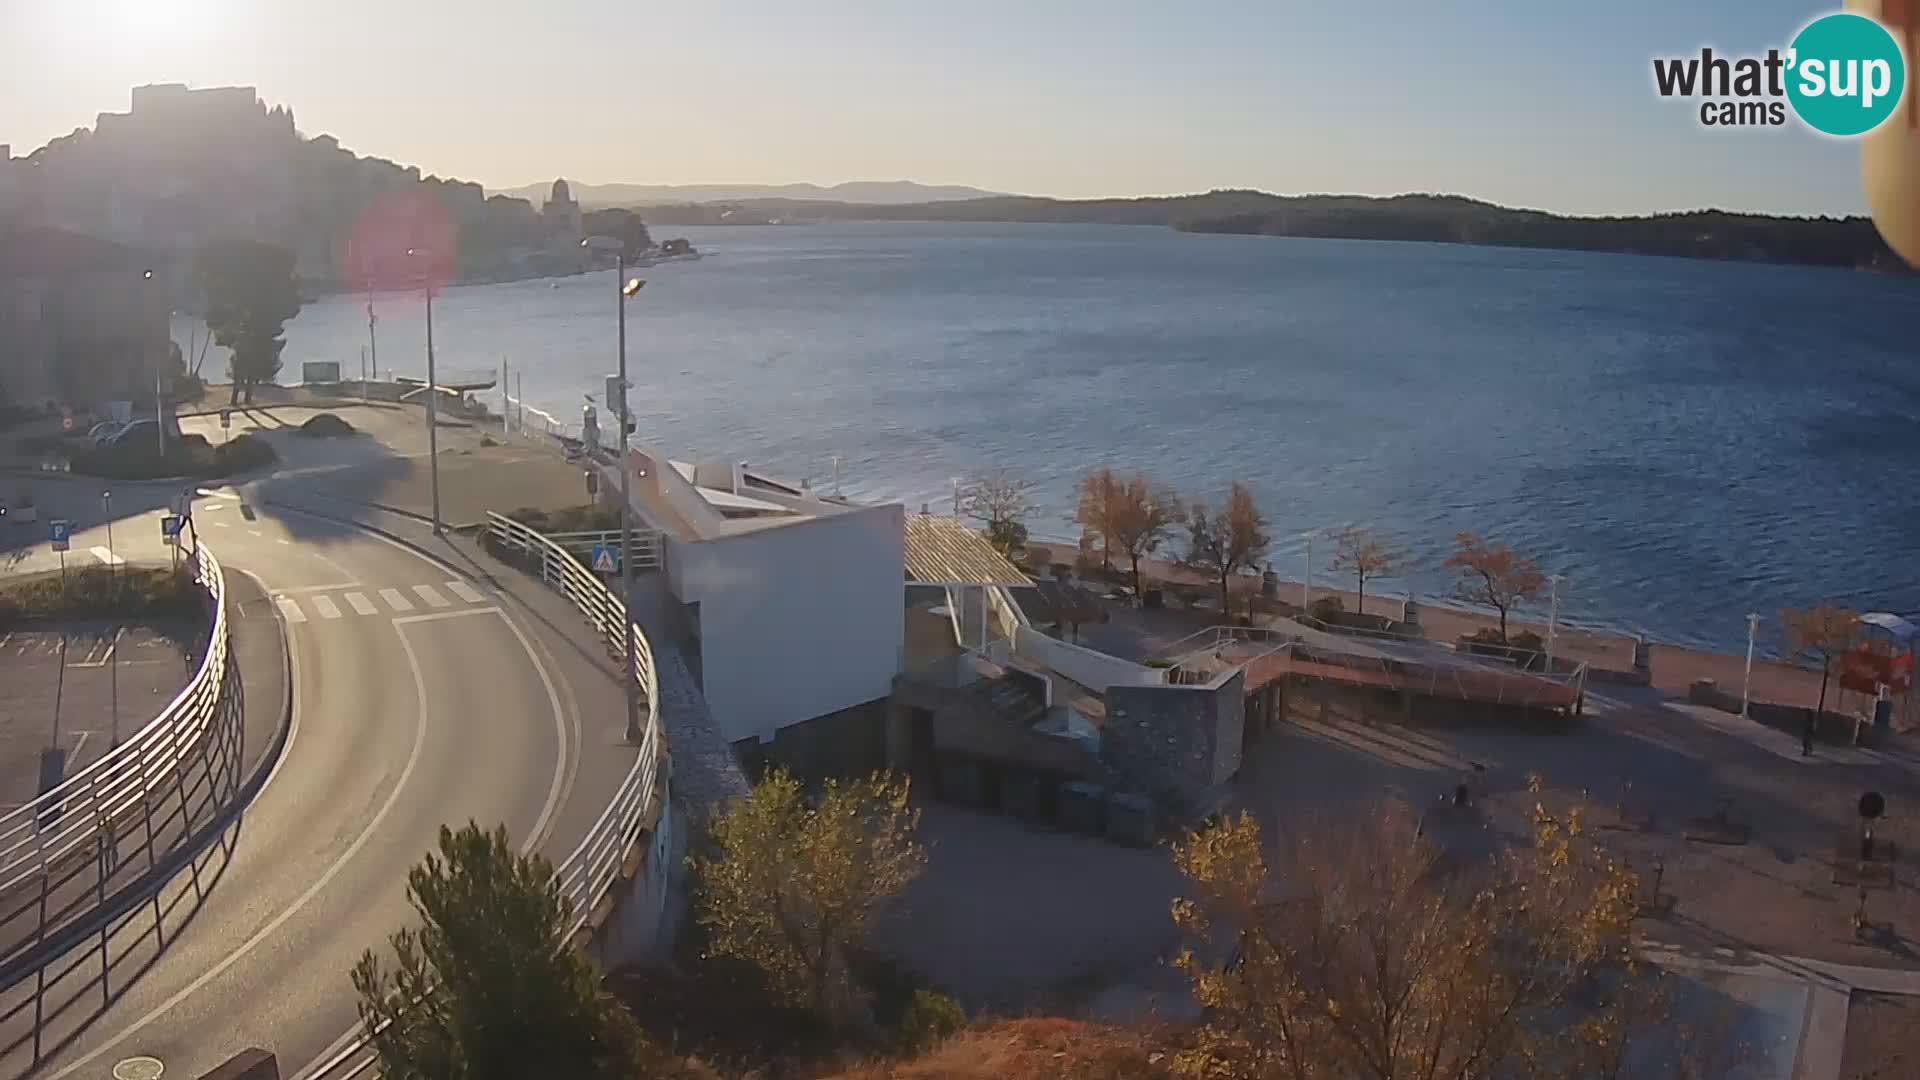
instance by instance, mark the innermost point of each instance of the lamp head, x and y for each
(633, 285)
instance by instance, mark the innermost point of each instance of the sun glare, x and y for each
(157, 22)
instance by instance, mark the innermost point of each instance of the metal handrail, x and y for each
(83, 819)
(595, 863)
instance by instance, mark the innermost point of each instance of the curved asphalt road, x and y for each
(403, 720)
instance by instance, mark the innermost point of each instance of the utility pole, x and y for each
(506, 399)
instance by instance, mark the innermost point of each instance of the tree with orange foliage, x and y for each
(1099, 495)
(1139, 517)
(1493, 575)
(1824, 631)
(1359, 552)
(1222, 539)
(1363, 952)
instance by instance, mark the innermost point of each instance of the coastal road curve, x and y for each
(421, 697)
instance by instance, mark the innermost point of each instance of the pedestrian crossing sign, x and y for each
(605, 561)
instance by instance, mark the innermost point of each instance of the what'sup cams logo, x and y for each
(1843, 75)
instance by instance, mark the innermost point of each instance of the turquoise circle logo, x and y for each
(1847, 74)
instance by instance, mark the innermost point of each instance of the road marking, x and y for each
(395, 600)
(361, 605)
(290, 609)
(465, 591)
(254, 532)
(438, 615)
(218, 524)
(107, 557)
(335, 587)
(283, 540)
(247, 946)
(432, 596)
(324, 605)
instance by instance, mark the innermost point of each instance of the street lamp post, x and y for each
(1553, 616)
(1746, 680)
(1306, 583)
(159, 373)
(433, 392)
(624, 290)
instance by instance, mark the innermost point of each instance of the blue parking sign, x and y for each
(60, 531)
(170, 525)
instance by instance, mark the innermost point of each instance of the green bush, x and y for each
(930, 1018)
(241, 453)
(96, 591)
(326, 425)
(590, 517)
(1327, 609)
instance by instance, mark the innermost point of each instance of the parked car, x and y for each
(139, 429)
(21, 511)
(99, 433)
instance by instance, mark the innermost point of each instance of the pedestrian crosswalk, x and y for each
(326, 606)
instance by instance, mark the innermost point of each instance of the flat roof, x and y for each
(945, 551)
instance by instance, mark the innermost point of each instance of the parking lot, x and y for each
(79, 689)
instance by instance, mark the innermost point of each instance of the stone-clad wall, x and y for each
(1177, 744)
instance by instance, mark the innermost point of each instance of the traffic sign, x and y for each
(170, 528)
(606, 559)
(60, 531)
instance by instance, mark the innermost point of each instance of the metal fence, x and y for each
(66, 852)
(595, 863)
(649, 550)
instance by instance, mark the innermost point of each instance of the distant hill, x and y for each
(1446, 219)
(871, 192)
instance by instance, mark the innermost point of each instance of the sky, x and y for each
(1543, 103)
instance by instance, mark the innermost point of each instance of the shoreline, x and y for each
(1673, 667)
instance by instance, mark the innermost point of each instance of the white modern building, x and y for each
(794, 602)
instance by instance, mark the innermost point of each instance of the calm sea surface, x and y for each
(1685, 441)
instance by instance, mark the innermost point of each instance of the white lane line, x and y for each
(361, 605)
(396, 600)
(247, 946)
(432, 596)
(284, 541)
(465, 592)
(290, 609)
(335, 587)
(218, 524)
(107, 557)
(438, 615)
(253, 532)
(325, 606)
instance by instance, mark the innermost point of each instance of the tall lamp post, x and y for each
(159, 371)
(1553, 615)
(625, 290)
(433, 392)
(1746, 680)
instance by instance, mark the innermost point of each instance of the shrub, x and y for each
(326, 425)
(242, 453)
(1327, 609)
(930, 1018)
(96, 591)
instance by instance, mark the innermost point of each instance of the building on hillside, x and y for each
(561, 214)
(80, 320)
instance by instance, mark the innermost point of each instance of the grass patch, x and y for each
(101, 592)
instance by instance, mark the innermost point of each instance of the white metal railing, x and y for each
(60, 852)
(649, 550)
(595, 863)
